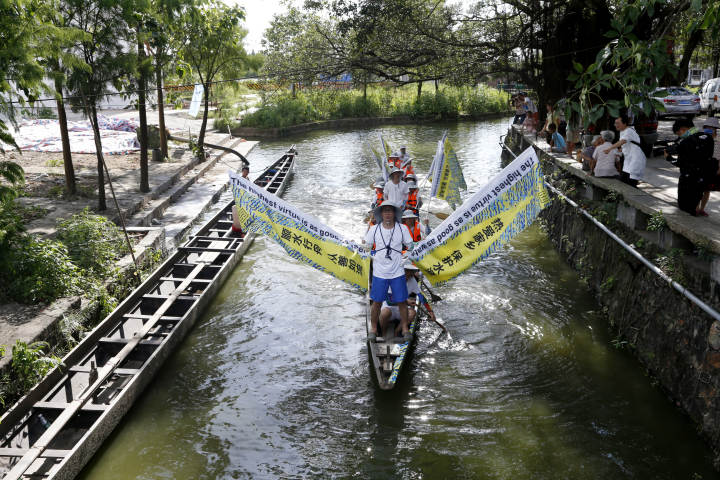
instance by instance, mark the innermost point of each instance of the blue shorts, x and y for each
(379, 289)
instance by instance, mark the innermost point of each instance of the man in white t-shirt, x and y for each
(396, 191)
(388, 238)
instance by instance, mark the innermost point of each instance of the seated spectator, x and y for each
(605, 165)
(585, 156)
(556, 141)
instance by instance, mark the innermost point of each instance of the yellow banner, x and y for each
(302, 236)
(485, 222)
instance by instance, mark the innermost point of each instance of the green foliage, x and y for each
(13, 176)
(30, 364)
(672, 264)
(94, 243)
(54, 162)
(656, 222)
(34, 270)
(283, 110)
(704, 251)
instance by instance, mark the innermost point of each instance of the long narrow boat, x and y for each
(389, 353)
(54, 430)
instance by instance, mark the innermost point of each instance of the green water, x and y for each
(273, 381)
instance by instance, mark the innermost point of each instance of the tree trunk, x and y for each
(102, 206)
(364, 90)
(161, 106)
(70, 187)
(144, 182)
(419, 90)
(292, 90)
(693, 41)
(437, 85)
(201, 136)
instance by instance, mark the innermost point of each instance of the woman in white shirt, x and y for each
(634, 158)
(605, 162)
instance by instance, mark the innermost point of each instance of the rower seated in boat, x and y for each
(379, 187)
(407, 167)
(391, 311)
(388, 238)
(396, 190)
(410, 219)
(414, 202)
(414, 277)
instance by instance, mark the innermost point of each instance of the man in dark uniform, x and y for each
(692, 154)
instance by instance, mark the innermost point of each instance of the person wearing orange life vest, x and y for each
(414, 202)
(409, 218)
(407, 166)
(379, 187)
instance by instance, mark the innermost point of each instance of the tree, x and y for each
(104, 49)
(54, 53)
(21, 72)
(210, 41)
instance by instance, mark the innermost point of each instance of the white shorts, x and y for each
(394, 311)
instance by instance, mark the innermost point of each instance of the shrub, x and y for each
(282, 110)
(36, 270)
(30, 364)
(93, 242)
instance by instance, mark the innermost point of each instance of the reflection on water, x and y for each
(273, 382)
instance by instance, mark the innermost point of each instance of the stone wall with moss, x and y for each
(677, 342)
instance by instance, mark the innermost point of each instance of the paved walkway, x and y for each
(661, 176)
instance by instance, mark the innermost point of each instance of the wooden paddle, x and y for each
(441, 215)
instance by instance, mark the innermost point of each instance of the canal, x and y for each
(273, 382)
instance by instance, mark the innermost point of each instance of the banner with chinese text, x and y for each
(302, 236)
(485, 222)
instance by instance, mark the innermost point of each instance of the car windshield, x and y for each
(679, 91)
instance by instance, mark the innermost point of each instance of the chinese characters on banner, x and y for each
(485, 222)
(302, 236)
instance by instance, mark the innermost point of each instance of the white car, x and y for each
(678, 101)
(710, 96)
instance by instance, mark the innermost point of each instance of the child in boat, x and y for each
(396, 190)
(388, 239)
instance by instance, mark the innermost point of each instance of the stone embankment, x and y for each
(180, 193)
(677, 342)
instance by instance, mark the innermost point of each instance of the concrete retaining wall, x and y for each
(675, 341)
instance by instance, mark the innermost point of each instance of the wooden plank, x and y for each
(19, 452)
(62, 405)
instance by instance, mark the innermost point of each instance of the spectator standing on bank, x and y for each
(692, 154)
(633, 169)
(519, 110)
(712, 183)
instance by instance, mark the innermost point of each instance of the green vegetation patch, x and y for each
(284, 110)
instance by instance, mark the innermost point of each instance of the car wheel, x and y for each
(690, 117)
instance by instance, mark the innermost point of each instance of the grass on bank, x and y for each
(280, 109)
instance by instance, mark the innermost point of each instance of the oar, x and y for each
(434, 317)
(441, 215)
(433, 297)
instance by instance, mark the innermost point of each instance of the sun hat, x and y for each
(410, 266)
(379, 184)
(378, 211)
(412, 176)
(397, 170)
(409, 214)
(412, 184)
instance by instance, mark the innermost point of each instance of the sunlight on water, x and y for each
(273, 381)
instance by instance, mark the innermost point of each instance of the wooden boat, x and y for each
(54, 430)
(389, 353)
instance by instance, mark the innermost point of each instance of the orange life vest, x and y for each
(412, 200)
(378, 197)
(409, 170)
(415, 232)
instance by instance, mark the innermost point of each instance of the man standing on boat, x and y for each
(388, 239)
(396, 191)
